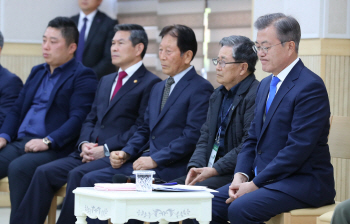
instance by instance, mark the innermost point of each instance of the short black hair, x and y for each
(186, 39)
(287, 27)
(243, 49)
(137, 35)
(68, 29)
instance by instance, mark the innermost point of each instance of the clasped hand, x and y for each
(239, 187)
(91, 152)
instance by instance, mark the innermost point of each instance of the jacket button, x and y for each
(102, 126)
(153, 137)
(259, 152)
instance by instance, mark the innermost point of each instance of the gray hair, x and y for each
(287, 27)
(1, 40)
(243, 49)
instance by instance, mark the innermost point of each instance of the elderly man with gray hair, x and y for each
(231, 109)
(10, 86)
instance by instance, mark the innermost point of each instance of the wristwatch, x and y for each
(47, 141)
(106, 150)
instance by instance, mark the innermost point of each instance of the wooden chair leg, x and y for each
(52, 211)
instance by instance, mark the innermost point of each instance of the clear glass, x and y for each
(144, 180)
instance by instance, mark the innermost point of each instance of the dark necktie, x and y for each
(119, 84)
(166, 92)
(81, 43)
(273, 87)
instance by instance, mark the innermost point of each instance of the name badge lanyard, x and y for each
(216, 145)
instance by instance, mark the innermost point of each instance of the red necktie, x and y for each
(119, 85)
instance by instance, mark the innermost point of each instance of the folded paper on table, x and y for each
(115, 187)
(180, 188)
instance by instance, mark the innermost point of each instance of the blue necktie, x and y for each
(81, 43)
(272, 94)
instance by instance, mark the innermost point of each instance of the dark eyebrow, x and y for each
(264, 42)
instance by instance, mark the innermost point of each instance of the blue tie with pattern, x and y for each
(272, 94)
(81, 43)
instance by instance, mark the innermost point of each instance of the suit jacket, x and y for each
(10, 86)
(114, 122)
(239, 119)
(171, 134)
(70, 101)
(290, 147)
(97, 48)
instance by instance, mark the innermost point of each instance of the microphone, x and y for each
(120, 178)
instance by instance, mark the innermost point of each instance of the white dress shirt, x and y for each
(90, 18)
(130, 71)
(178, 77)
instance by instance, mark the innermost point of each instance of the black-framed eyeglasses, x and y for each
(266, 49)
(223, 63)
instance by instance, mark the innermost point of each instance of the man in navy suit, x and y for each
(285, 162)
(96, 33)
(117, 111)
(10, 86)
(49, 112)
(176, 111)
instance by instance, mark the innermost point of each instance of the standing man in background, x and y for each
(10, 86)
(96, 33)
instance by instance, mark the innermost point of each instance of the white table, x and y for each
(120, 206)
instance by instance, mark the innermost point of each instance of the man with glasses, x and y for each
(231, 109)
(285, 162)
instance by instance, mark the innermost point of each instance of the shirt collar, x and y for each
(59, 68)
(132, 69)
(90, 17)
(283, 74)
(178, 76)
(232, 91)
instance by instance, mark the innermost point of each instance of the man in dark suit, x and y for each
(231, 110)
(117, 111)
(10, 86)
(176, 111)
(49, 112)
(96, 33)
(285, 162)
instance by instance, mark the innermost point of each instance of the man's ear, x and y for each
(72, 48)
(139, 48)
(243, 68)
(188, 57)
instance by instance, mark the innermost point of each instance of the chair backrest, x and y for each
(339, 146)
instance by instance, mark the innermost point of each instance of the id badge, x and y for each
(214, 151)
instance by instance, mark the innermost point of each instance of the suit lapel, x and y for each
(66, 73)
(179, 87)
(34, 86)
(128, 86)
(96, 23)
(106, 88)
(286, 86)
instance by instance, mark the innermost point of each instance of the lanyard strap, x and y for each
(217, 138)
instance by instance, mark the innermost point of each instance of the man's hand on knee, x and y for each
(3, 143)
(118, 158)
(238, 180)
(35, 145)
(196, 175)
(144, 163)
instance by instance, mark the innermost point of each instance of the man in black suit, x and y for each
(96, 33)
(10, 86)
(118, 109)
